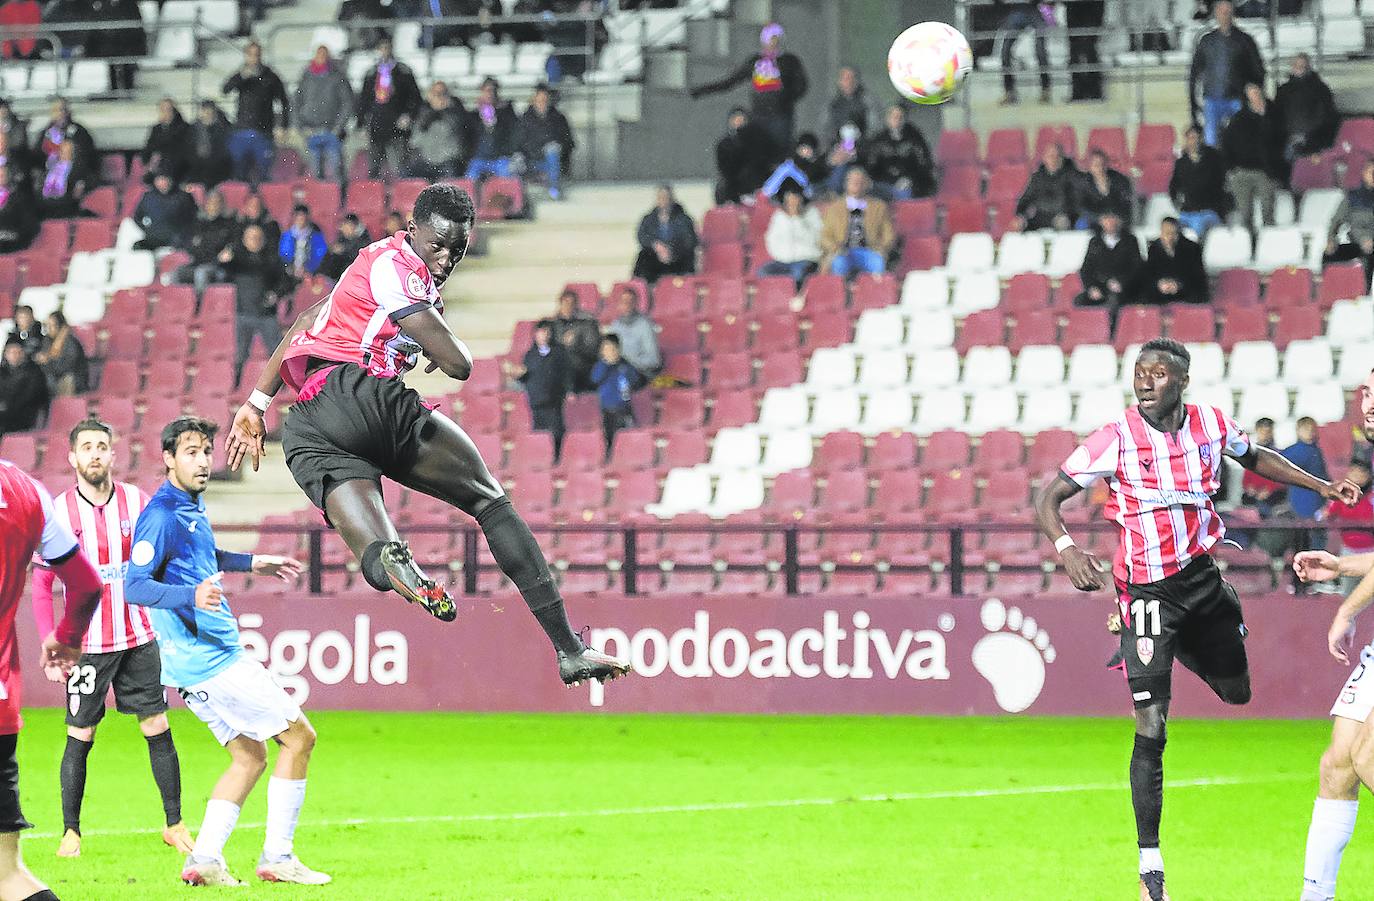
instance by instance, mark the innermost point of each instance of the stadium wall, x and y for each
(765, 654)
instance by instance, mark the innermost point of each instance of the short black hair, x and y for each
(611, 337)
(544, 323)
(1166, 219)
(172, 432)
(1264, 422)
(1306, 420)
(1170, 347)
(300, 208)
(447, 201)
(89, 424)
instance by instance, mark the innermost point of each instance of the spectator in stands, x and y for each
(64, 184)
(1198, 184)
(805, 170)
(252, 145)
(492, 126)
(546, 374)
(1225, 61)
(1173, 270)
(26, 330)
(546, 140)
(898, 158)
(324, 104)
(260, 281)
(1307, 110)
(616, 381)
(215, 230)
(352, 238)
(165, 212)
(1252, 146)
(62, 129)
(390, 98)
(208, 159)
(121, 37)
(793, 239)
(1022, 16)
(1081, 17)
(394, 223)
(1305, 503)
(667, 240)
(741, 161)
(1355, 216)
(18, 214)
(638, 337)
(1360, 538)
(580, 334)
(438, 141)
(254, 212)
(1100, 189)
(849, 106)
(1111, 267)
(17, 17)
(1049, 200)
(778, 80)
(168, 143)
(24, 394)
(62, 359)
(857, 234)
(302, 246)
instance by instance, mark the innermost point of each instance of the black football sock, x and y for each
(45, 895)
(1147, 788)
(73, 775)
(162, 754)
(518, 555)
(372, 568)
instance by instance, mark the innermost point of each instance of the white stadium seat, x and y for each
(532, 59)
(1226, 247)
(975, 291)
(331, 36)
(82, 306)
(133, 269)
(969, 252)
(1336, 9)
(784, 408)
(492, 59)
(1342, 36)
(1020, 252)
(1258, 401)
(1157, 208)
(890, 409)
(175, 44)
(1039, 366)
(925, 290)
(993, 408)
(831, 367)
(835, 411)
(1045, 408)
(128, 234)
(43, 300)
(1208, 364)
(359, 64)
(1357, 360)
(880, 328)
(451, 63)
(684, 491)
(735, 448)
(1324, 402)
(1092, 365)
(939, 409)
(1126, 377)
(1278, 248)
(1351, 321)
(1318, 206)
(986, 367)
(883, 369)
(88, 76)
(1253, 363)
(1308, 362)
(736, 490)
(1219, 396)
(786, 451)
(930, 329)
(1066, 253)
(1097, 407)
(937, 367)
(91, 268)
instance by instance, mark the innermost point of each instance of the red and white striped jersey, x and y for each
(106, 535)
(1161, 486)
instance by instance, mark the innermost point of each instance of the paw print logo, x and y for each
(1012, 656)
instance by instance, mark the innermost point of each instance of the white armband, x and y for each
(259, 401)
(1063, 542)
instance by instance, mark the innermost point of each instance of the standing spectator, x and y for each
(492, 126)
(793, 239)
(579, 334)
(23, 18)
(1360, 539)
(215, 229)
(849, 106)
(547, 376)
(18, 214)
(1081, 17)
(208, 160)
(1110, 267)
(1173, 270)
(1038, 17)
(324, 104)
(168, 145)
(64, 184)
(1305, 503)
(1102, 189)
(638, 337)
(303, 245)
(438, 140)
(1264, 495)
(546, 140)
(1252, 145)
(63, 359)
(1225, 61)
(616, 381)
(898, 158)
(1355, 216)
(778, 81)
(667, 240)
(26, 330)
(121, 36)
(62, 129)
(1050, 195)
(390, 98)
(805, 169)
(1198, 184)
(166, 213)
(254, 212)
(23, 390)
(252, 145)
(740, 165)
(259, 281)
(1307, 110)
(856, 232)
(353, 237)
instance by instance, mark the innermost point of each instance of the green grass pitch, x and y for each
(447, 807)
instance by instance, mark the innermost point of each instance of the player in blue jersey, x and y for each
(175, 569)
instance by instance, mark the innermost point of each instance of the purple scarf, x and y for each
(55, 184)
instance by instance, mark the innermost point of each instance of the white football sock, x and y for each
(1151, 860)
(284, 800)
(1333, 822)
(219, 822)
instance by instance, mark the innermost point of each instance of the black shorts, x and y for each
(357, 427)
(11, 816)
(136, 675)
(1193, 615)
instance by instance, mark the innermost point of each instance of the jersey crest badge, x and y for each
(1145, 650)
(1205, 453)
(125, 528)
(415, 286)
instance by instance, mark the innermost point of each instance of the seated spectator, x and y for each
(849, 106)
(804, 169)
(438, 138)
(1252, 145)
(1359, 538)
(546, 374)
(353, 237)
(324, 104)
(207, 151)
(166, 213)
(168, 146)
(254, 212)
(24, 394)
(491, 133)
(1110, 267)
(580, 334)
(214, 230)
(260, 281)
(1355, 216)
(302, 246)
(1102, 188)
(62, 129)
(667, 240)
(616, 381)
(1173, 270)
(856, 232)
(843, 156)
(1049, 198)
(1264, 495)
(1304, 502)
(63, 359)
(26, 330)
(64, 184)
(638, 337)
(1307, 110)
(394, 223)
(1198, 184)
(741, 158)
(15, 157)
(546, 140)
(793, 239)
(18, 214)
(898, 158)
(13, 128)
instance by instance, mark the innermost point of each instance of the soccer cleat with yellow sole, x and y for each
(179, 837)
(413, 585)
(70, 846)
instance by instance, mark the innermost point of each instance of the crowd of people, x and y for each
(40, 361)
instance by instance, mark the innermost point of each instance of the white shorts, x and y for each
(1356, 699)
(242, 700)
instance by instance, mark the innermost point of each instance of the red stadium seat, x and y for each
(1086, 326)
(957, 146)
(965, 216)
(893, 451)
(1006, 496)
(404, 192)
(588, 297)
(1244, 324)
(125, 341)
(1237, 286)
(1007, 182)
(722, 225)
(724, 296)
(1356, 135)
(92, 234)
(1297, 324)
(874, 291)
(530, 452)
(728, 334)
(1006, 145)
(120, 378)
(920, 254)
(675, 297)
(103, 202)
(1070, 286)
(1154, 177)
(113, 167)
(685, 366)
(1341, 281)
(829, 330)
(733, 409)
(1336, 439)
(780, 369)
(582, 452)
(1309, 173)
(532, 493)
(287, 165)
(636, 285)
(1288, 288)
(839, 451)
(684, 408)
(999, 451)
(723, 259)
(676, 336)
(915, 218)
(234, 193)
(1038, 327)
(581, 413)
(502, 197)
(321, 196)
(686, 446)
(480, 413)
(637, 488)
(128, 306)
(585, 490)
(1027, 292)
(773, 296)
(21, 450)
(1061, 134)
(118, 412)
(1136, 325)
(946, 449)
(1048, 451)
(633, 449)
(951, 496)
(1111, 141)
(791, 497)
(961, 183)
(365, 197)
(731, 372)
(1154, 142)
(824, 294)
(63, 413)
(898, 495)
(757, 227)
(985, 328)
(1194, 324)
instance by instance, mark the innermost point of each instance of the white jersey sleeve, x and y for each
(57, 540)
(397, 289)
(1095, 458)
(1235, 441)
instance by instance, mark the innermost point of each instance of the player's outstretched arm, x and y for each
(1277, 468)
(430, 330)
(1342, 631)
(1323, 566)
(1084, 569)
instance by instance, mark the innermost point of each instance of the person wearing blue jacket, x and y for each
(303, 245)
(175, 569)
(1305, 452)
(615, 381)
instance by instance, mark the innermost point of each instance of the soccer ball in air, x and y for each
(928, 62)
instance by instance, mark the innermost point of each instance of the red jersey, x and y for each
(1161, 486)
(1358, 540)
(358, 323)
